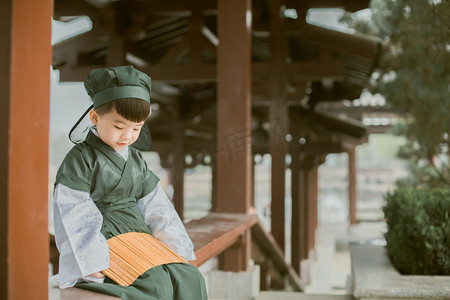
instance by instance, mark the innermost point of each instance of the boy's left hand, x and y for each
(98, 275)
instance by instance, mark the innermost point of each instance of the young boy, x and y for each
(103, 189)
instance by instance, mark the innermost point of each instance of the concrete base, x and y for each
(231, 285)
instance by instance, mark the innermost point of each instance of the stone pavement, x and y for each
(330, 266)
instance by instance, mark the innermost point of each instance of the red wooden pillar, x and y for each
(296, 209)
(213, 184)
(25, 60)
(303, 210)
(233, 120)
(315, 187)
(178, 159)
(177, 167)
(278, 119)
(352, 185)
(311, 206)
(295, 190)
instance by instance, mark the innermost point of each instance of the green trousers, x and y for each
(165, 282)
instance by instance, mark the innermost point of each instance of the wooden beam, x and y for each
(358, 45)
(303, 71)
(76, 44)
(349, 5)
(183, 73)
(171, 7)
(166, 37)
(77, 73)
(233, 121)
(69, 8)
(312, 147)
(341, 124)
(173, 53)
(362, 46)
(154, 8)
(164, 71)
(166, 74)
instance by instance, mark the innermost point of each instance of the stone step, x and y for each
(265, 295)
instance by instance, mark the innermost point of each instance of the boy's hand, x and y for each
(98, 275)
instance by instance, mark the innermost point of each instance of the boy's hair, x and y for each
(132, 109)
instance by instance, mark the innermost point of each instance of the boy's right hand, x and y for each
(98, 275)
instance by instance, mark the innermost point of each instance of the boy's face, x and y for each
(114, 130)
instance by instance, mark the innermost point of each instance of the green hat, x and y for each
(106, 85)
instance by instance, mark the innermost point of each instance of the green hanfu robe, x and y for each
(115, 185)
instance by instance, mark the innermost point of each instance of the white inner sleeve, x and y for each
(83, 249)
(165, 224)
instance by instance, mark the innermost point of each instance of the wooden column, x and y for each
(296, 210)
(311, 206)
(315, 187)
(25, 60)
(308, 201)
(178, 163)
(233, 120)
(116, 42)
(303, 210)
(252, 184)
(295, 189)
(278, 118)
(352, 185)
(213, 184)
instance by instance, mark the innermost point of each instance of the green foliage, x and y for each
(418, 236)
(413, 75)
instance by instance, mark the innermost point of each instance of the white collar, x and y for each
(122, 152)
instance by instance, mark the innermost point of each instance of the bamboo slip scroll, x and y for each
(132, 254)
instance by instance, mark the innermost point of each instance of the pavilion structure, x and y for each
(230, 79)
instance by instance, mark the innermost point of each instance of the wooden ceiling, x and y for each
(175, 42)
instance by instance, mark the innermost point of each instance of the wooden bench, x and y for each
(211, 235)
(216, 232)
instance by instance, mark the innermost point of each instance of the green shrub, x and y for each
(418, 230)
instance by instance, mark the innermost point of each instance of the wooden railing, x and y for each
(273, 256)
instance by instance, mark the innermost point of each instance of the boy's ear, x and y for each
(93, 115)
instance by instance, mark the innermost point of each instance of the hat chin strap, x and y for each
(78, 123)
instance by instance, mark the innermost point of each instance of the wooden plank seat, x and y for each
(216, 232)
(211, 235)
